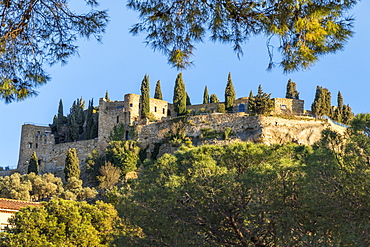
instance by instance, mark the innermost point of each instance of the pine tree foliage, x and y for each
(304, 30)
(145, 97)
(347, 114)
(251, 102)
(291, 91)
(33, 165)
(37, 33)
(158, 91)
(322, 102)
(213, 99)
(179, 96)
(72, 165)
(261, 103)
(230, 94)
(205, 96)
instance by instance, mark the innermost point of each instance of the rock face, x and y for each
(156, 137)
(266, 130)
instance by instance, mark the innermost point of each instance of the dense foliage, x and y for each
(230, 94)
(254, 195)
(291, 91)
(145, 97)
(260, 103)
(158, 91)
(72, 165)
(32, 187)
(79, 124)
(63, 223)
(33, 165)
(205, 96)
(179, 96)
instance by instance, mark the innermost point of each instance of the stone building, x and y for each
(52, 156)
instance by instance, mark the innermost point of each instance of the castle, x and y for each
(51, 156)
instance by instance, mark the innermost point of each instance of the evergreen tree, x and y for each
(106, 97)
(263, 103)
(76, 120)
(179, 96)
(188, 101)
(340, 100)
(229, 94)
(90, 121)
(347, 115)
(251, 102)
(205, 96)
(158, 91)
(213, 99)
(291, 92)
(33, 165)
(145, 98)
(72, 165)
(338, 111)
(322, 102)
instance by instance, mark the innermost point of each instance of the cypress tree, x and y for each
(251, 103)
(89, 122)
(188, 102)
(72, 166)
(158, 91)
(322, 102)
(338, 112)
(179, 96)
(205, 96)
(145, 98)
(213, 98)
(76, 120)
(106, 97)
(291, 91)
(229, 94)
(340, 100)
(33, 165)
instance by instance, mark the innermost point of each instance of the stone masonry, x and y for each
(267, 130)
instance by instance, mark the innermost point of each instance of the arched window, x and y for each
(241, 108)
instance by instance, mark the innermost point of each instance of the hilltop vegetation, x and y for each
(240, 194)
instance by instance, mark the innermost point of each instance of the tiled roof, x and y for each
(16, 204)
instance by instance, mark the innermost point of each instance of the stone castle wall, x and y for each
(288, 106)
(51, 156)
(266, 130)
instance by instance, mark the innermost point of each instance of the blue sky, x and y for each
(121, 61)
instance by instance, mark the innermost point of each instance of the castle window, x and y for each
(283, 106)
(155, 109)
(30, 145)
(131, 105)
(117, 119)
(45, 141)
(241, 108)
(164, 111)
(139, 105)
(38, 133)
(37, 145)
